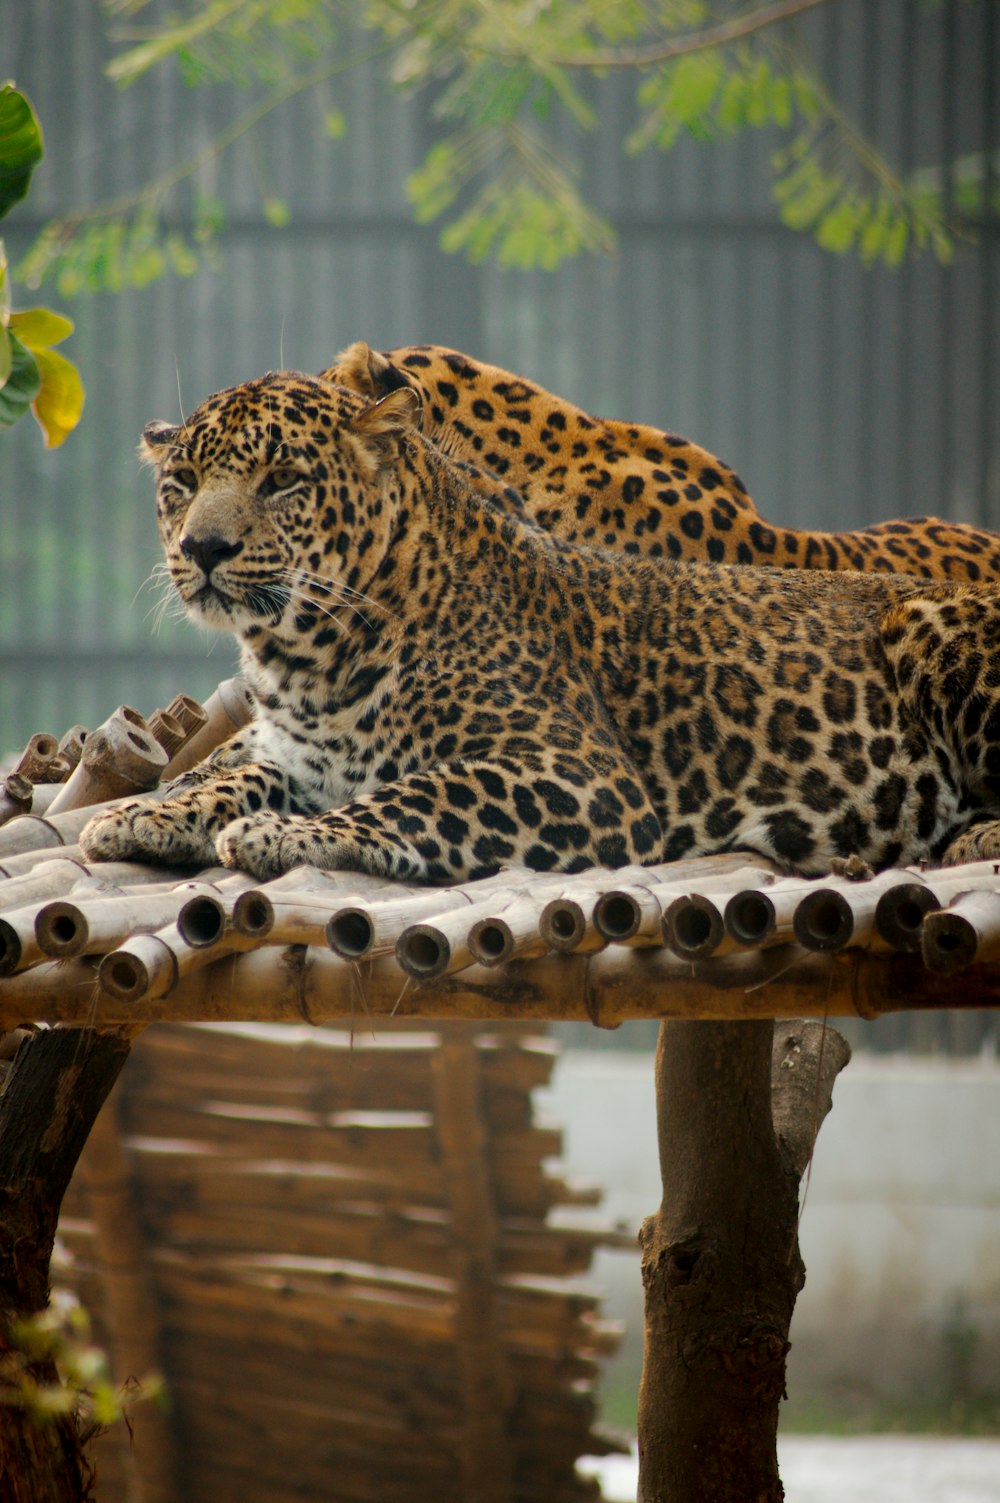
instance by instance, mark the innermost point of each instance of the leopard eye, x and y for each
(280, 479)
(185, 477)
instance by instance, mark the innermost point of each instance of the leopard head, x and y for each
(275, 498)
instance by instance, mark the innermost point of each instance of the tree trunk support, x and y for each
(738, 1106)
(54, 1091)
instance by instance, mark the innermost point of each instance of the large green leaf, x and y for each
(20, 146)
(22, 385)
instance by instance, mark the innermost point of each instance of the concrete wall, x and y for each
(900, 1228)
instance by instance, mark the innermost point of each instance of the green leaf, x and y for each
(276, 212)
(22, 385)
(40, 328)
(6, 355)
(21, 146)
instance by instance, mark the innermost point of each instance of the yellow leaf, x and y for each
(40, 328)
(60, 401)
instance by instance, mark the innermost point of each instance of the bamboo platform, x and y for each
(335, 1236)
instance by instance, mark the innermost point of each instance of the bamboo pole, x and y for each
(226, 711)
(38, 754)
(270, 985)
(16, 794)
(965, 933)
(121, 757)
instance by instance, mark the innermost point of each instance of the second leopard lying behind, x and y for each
(444, 689)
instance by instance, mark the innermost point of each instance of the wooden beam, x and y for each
(299, 985)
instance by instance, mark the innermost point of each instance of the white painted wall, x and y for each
(900, 1229)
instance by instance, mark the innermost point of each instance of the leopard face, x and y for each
(443, 688)
(259, 533)
(632, 487)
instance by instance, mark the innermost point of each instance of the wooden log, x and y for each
(53, 1092)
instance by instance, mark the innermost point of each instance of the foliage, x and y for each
(32, 373)
(509, 79)
(60, 1335)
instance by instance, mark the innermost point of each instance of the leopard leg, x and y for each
(459, 820)
(182, 828)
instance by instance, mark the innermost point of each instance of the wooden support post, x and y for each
(56, 1087)
(738, 1105)
(461, 1126)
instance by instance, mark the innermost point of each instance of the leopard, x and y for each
(443, 689)
(632, 487)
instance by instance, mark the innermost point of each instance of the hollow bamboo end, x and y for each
(253, 914)
(350, 933)
(617, 916)
(693, 927)
(491, 941)
(201, 922)
(423, 952)
(948, 942)
(823, 921)
(749, 917)
(562, 925)
(124, 977)
(61, 930)
(900, 914)
(10, 949)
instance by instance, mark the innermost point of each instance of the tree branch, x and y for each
(698, 41)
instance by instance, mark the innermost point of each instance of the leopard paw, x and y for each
(980, 842)
(258, 844)
(142, 830)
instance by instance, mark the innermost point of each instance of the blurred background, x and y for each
(843, 393)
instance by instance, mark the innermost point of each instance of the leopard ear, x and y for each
(364, 370)
(156, 437)
(383, 425)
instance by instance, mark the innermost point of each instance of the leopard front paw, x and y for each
(266, 845)
(142, 830)
(258, 844)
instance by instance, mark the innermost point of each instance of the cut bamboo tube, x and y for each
(167, 730)
(16, 796)
(966, 932)
(34, 761)
(428, 950)
(30, 833)
(634, 915)
(373, 928)
(95, 925)
(71, 744)
(120, 757)
(151, 965)
(229, 708)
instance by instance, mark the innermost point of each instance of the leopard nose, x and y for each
(208, 551)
